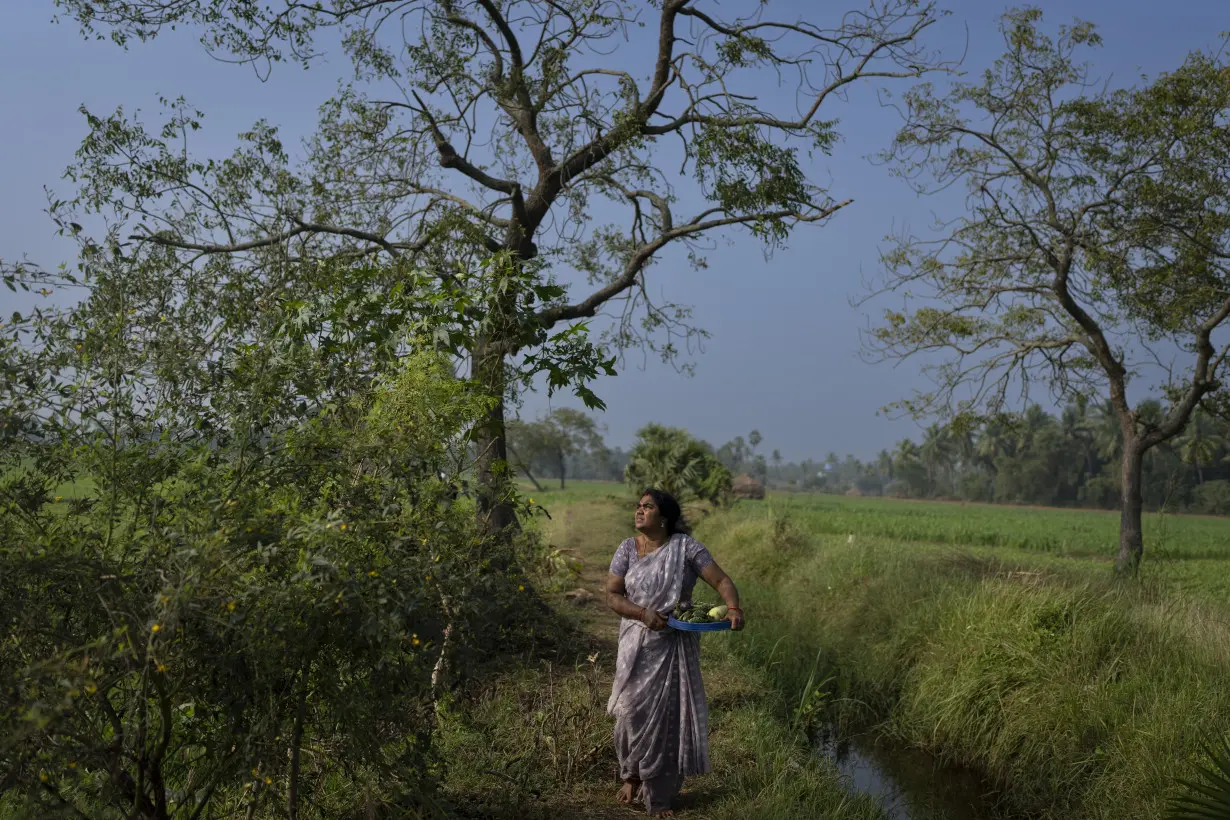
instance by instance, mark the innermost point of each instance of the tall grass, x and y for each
(536, 743)
(1081, 697)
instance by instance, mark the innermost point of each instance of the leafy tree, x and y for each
(229, 547)
(670, 459)
(553, 440)
(734, 454)
(884, 465)
(1094, 216)
(480, 141)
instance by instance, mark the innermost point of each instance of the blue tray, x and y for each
(687, 627)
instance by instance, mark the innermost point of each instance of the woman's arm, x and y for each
(717, 578)
(617, 600)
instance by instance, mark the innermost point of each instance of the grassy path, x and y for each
(538, 742)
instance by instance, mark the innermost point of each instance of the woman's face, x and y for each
(648, 516)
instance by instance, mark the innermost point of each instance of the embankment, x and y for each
(536, 742)
(1079, 698)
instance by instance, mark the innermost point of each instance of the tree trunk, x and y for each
(1131, 533)
(561, 471)
(524, 467)
(494, 511)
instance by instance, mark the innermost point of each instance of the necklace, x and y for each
(643, 547)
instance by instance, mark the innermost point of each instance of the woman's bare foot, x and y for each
(626, 793)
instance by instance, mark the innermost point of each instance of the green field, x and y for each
(1185, 553)
(1079, 533)
(1182, 553)
(997, 638)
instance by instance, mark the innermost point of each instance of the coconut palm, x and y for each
(1199, 443)
(1107, 435)
(994, 441)
(884, 465)
(1078, 428)
(935, 452)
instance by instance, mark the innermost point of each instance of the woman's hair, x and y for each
(670, 510)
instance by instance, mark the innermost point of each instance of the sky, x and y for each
(783, 357)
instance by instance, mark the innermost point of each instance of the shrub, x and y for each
(235, 570)
(670, 459)
(189, 636)
(1212, 498)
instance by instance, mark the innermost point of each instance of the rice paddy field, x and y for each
(993, 639)
(1184, 553)
(997, 639)
(1077, 533)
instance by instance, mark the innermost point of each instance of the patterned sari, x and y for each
(658, 698)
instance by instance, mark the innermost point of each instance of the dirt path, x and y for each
(592, 531)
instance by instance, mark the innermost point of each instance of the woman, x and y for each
(658, 699)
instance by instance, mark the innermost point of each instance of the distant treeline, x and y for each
(1067, 459)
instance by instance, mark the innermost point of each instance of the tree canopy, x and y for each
(505, 148)
(552, 440)
(1096, 230)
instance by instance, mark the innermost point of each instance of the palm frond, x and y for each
(1208, 796)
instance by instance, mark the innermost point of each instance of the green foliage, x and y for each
(264, 583)
(1208, 797)
(1097, 220)
(553, 441)
(510, 137)
(1079, 697)
(669, 459)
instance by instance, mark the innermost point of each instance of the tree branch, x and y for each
(640, 257)
(449, 158)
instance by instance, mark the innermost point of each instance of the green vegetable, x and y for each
(698, 613)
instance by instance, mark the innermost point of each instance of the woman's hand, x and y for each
(654, 620)
(735, 616)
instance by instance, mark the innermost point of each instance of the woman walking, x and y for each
(658, 698)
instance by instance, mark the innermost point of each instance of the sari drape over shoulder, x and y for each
(658, 698)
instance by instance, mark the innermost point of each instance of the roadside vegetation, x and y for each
(1074, 694)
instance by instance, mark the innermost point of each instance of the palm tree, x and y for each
(1199, 443)
(993, 442)
(1107, 436)
(1078, 429)
(935, 452)
(884, 464)
(906, 453)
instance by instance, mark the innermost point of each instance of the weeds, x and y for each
(1080, 696)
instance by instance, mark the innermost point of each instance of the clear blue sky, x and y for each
(783, 357)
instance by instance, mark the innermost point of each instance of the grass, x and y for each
(1077, 533)
(1080, 696)
(1188, 554)
(537, 744)
(552, 497)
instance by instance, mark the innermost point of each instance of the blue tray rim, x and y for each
(684, 626)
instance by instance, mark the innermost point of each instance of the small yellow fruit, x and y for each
(718, 612)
